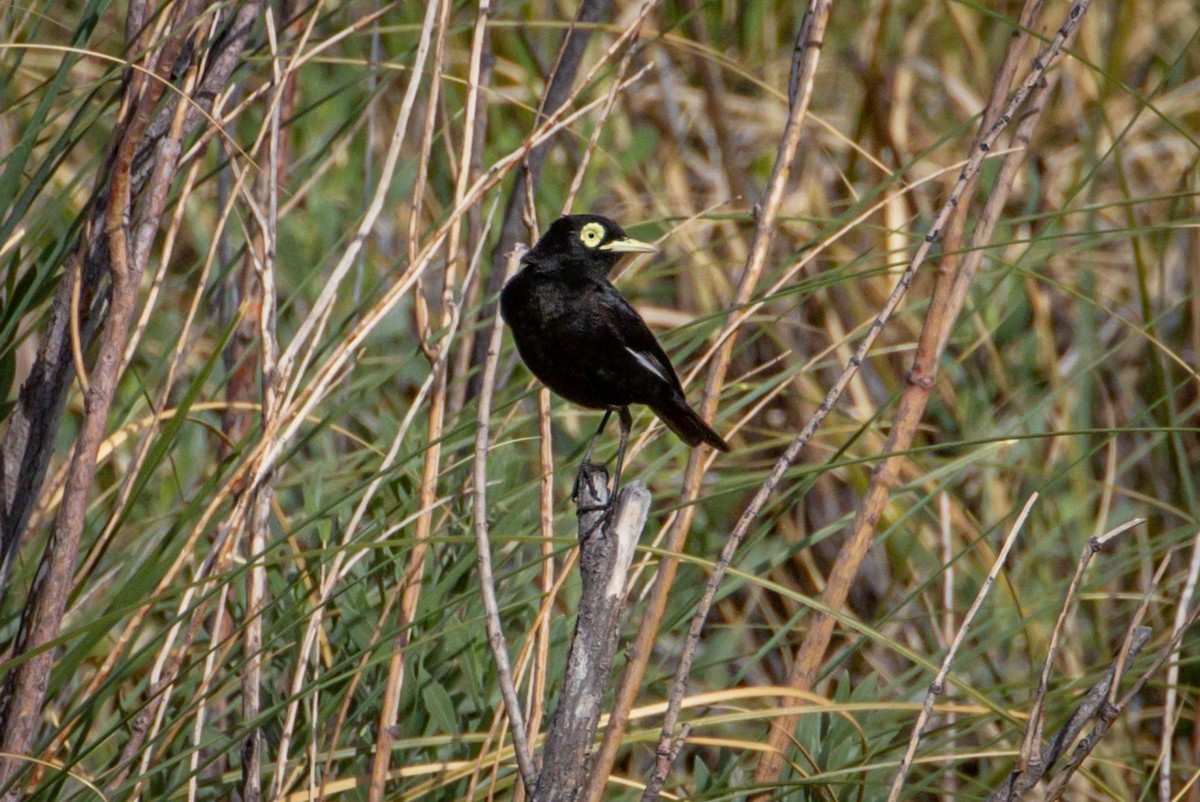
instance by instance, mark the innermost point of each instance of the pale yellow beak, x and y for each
(628, 245)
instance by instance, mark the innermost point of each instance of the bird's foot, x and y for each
(587, 470)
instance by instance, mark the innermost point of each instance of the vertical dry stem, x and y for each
(804, 64)
(411, 578)
(24, 689)
(605, 552)
(270, 391)
(939, 681)
(912, 403)
(496, 639)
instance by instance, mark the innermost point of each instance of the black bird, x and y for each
(580, 336)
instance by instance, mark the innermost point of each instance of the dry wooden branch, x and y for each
(157, 153)
(939, 681)
(1100, 706)
(1108, 710)
(25, 687)
(939, 319)
(605, 553)
(1092, 708)
(1031, 745)
(496, 639)
(30, 437)
(804, 65)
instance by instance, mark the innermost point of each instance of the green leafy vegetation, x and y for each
(1071, 373)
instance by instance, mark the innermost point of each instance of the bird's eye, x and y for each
(592, 234)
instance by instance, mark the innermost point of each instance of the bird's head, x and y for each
(586, 241)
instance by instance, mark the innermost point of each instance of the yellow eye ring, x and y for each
(592, 234)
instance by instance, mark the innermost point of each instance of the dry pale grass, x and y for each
(346, 501)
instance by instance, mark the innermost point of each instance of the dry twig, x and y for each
(127, 251)
(939, 681)
(939, 318)
(1106, 714)
(1100, 706)
(1092, 708)
(496, 639)
(1031, 746)
(30, 436)
(804, 64)
(605, 553)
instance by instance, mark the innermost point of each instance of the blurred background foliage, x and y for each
(1072, 373)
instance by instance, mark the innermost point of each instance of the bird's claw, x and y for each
(586, 469)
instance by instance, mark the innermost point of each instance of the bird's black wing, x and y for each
(633, 357)
(624, 326)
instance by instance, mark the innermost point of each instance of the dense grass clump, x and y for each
(238, 413)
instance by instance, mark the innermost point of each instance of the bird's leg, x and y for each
(626, 425)
(587, 455)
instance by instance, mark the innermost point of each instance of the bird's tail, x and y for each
(685, 422)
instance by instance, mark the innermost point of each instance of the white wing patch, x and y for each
(649, 363)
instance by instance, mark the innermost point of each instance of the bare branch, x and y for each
(30, 437)
(939, 681)
(940, 316)
(24, 688)
(1092, 708)
(605, 553)
(496, 640)
(1031, 750)
(804, 65)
